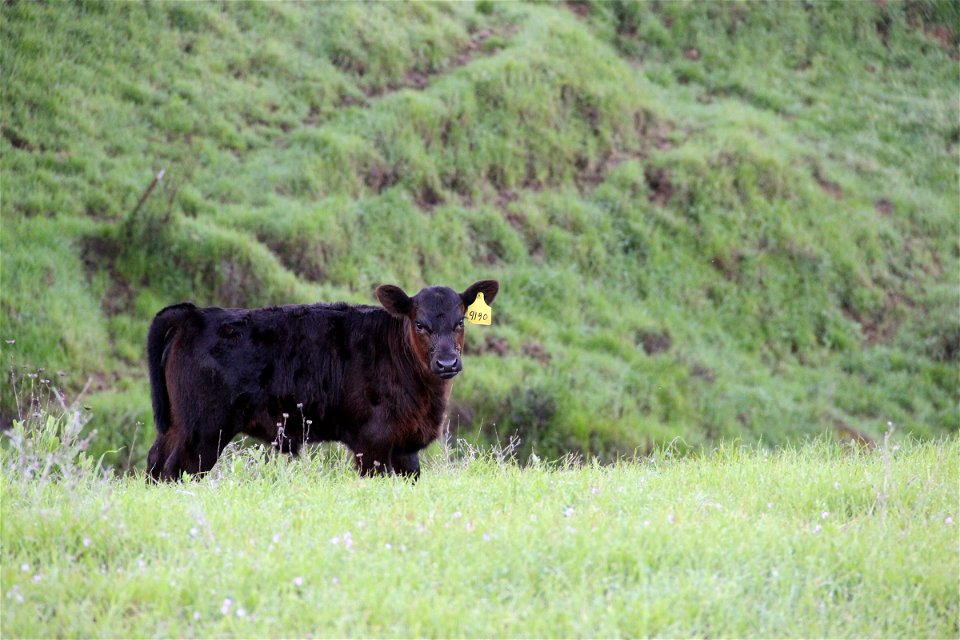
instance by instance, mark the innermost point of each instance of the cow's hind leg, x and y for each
(195, 456)
(191, 448)
(157, 458)
(203, 424)
(208, 450)
(163, 461)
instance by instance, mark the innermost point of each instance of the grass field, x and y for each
(710, 220)
(727, 240)
(821, 540)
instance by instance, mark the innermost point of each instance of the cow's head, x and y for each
(433, 321)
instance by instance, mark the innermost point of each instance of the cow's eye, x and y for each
(460, 324)
(420, 327)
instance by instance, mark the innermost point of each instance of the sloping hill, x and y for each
(709, 221)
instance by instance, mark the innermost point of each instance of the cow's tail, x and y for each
(161, 334)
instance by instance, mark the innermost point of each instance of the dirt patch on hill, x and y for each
(701, 372)
(884, 207)
(729, 266)
(661, 189)
(305, 259)
(492, 345)
(479, 45)
(17, 140)
(380, 177)
(654, 342)
(829, 187)
(579, 8)
(881, 326)
(537, 351)
(853, 436)
(99, 253)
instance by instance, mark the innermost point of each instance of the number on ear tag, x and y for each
(479, 312)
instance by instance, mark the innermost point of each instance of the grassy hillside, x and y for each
(816, 541)
(710, 221)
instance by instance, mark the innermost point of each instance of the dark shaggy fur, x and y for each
(374, 378)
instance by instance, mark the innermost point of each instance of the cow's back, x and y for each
(273, 360)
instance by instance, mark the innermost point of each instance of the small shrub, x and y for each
(485, 7)
(47, 443)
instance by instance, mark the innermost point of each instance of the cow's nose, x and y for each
(453, 364)
(447, 368)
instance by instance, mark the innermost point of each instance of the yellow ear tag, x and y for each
(479, 312)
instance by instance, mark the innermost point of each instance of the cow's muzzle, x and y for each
(447, 368)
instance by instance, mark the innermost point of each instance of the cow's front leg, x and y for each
(406, 464)
(372, 461)
(286, 443)
(372, 450)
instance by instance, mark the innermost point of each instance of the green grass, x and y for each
(710, 221)
(819, 540)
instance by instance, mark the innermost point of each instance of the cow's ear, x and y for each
(489, 288)
(394, 300)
